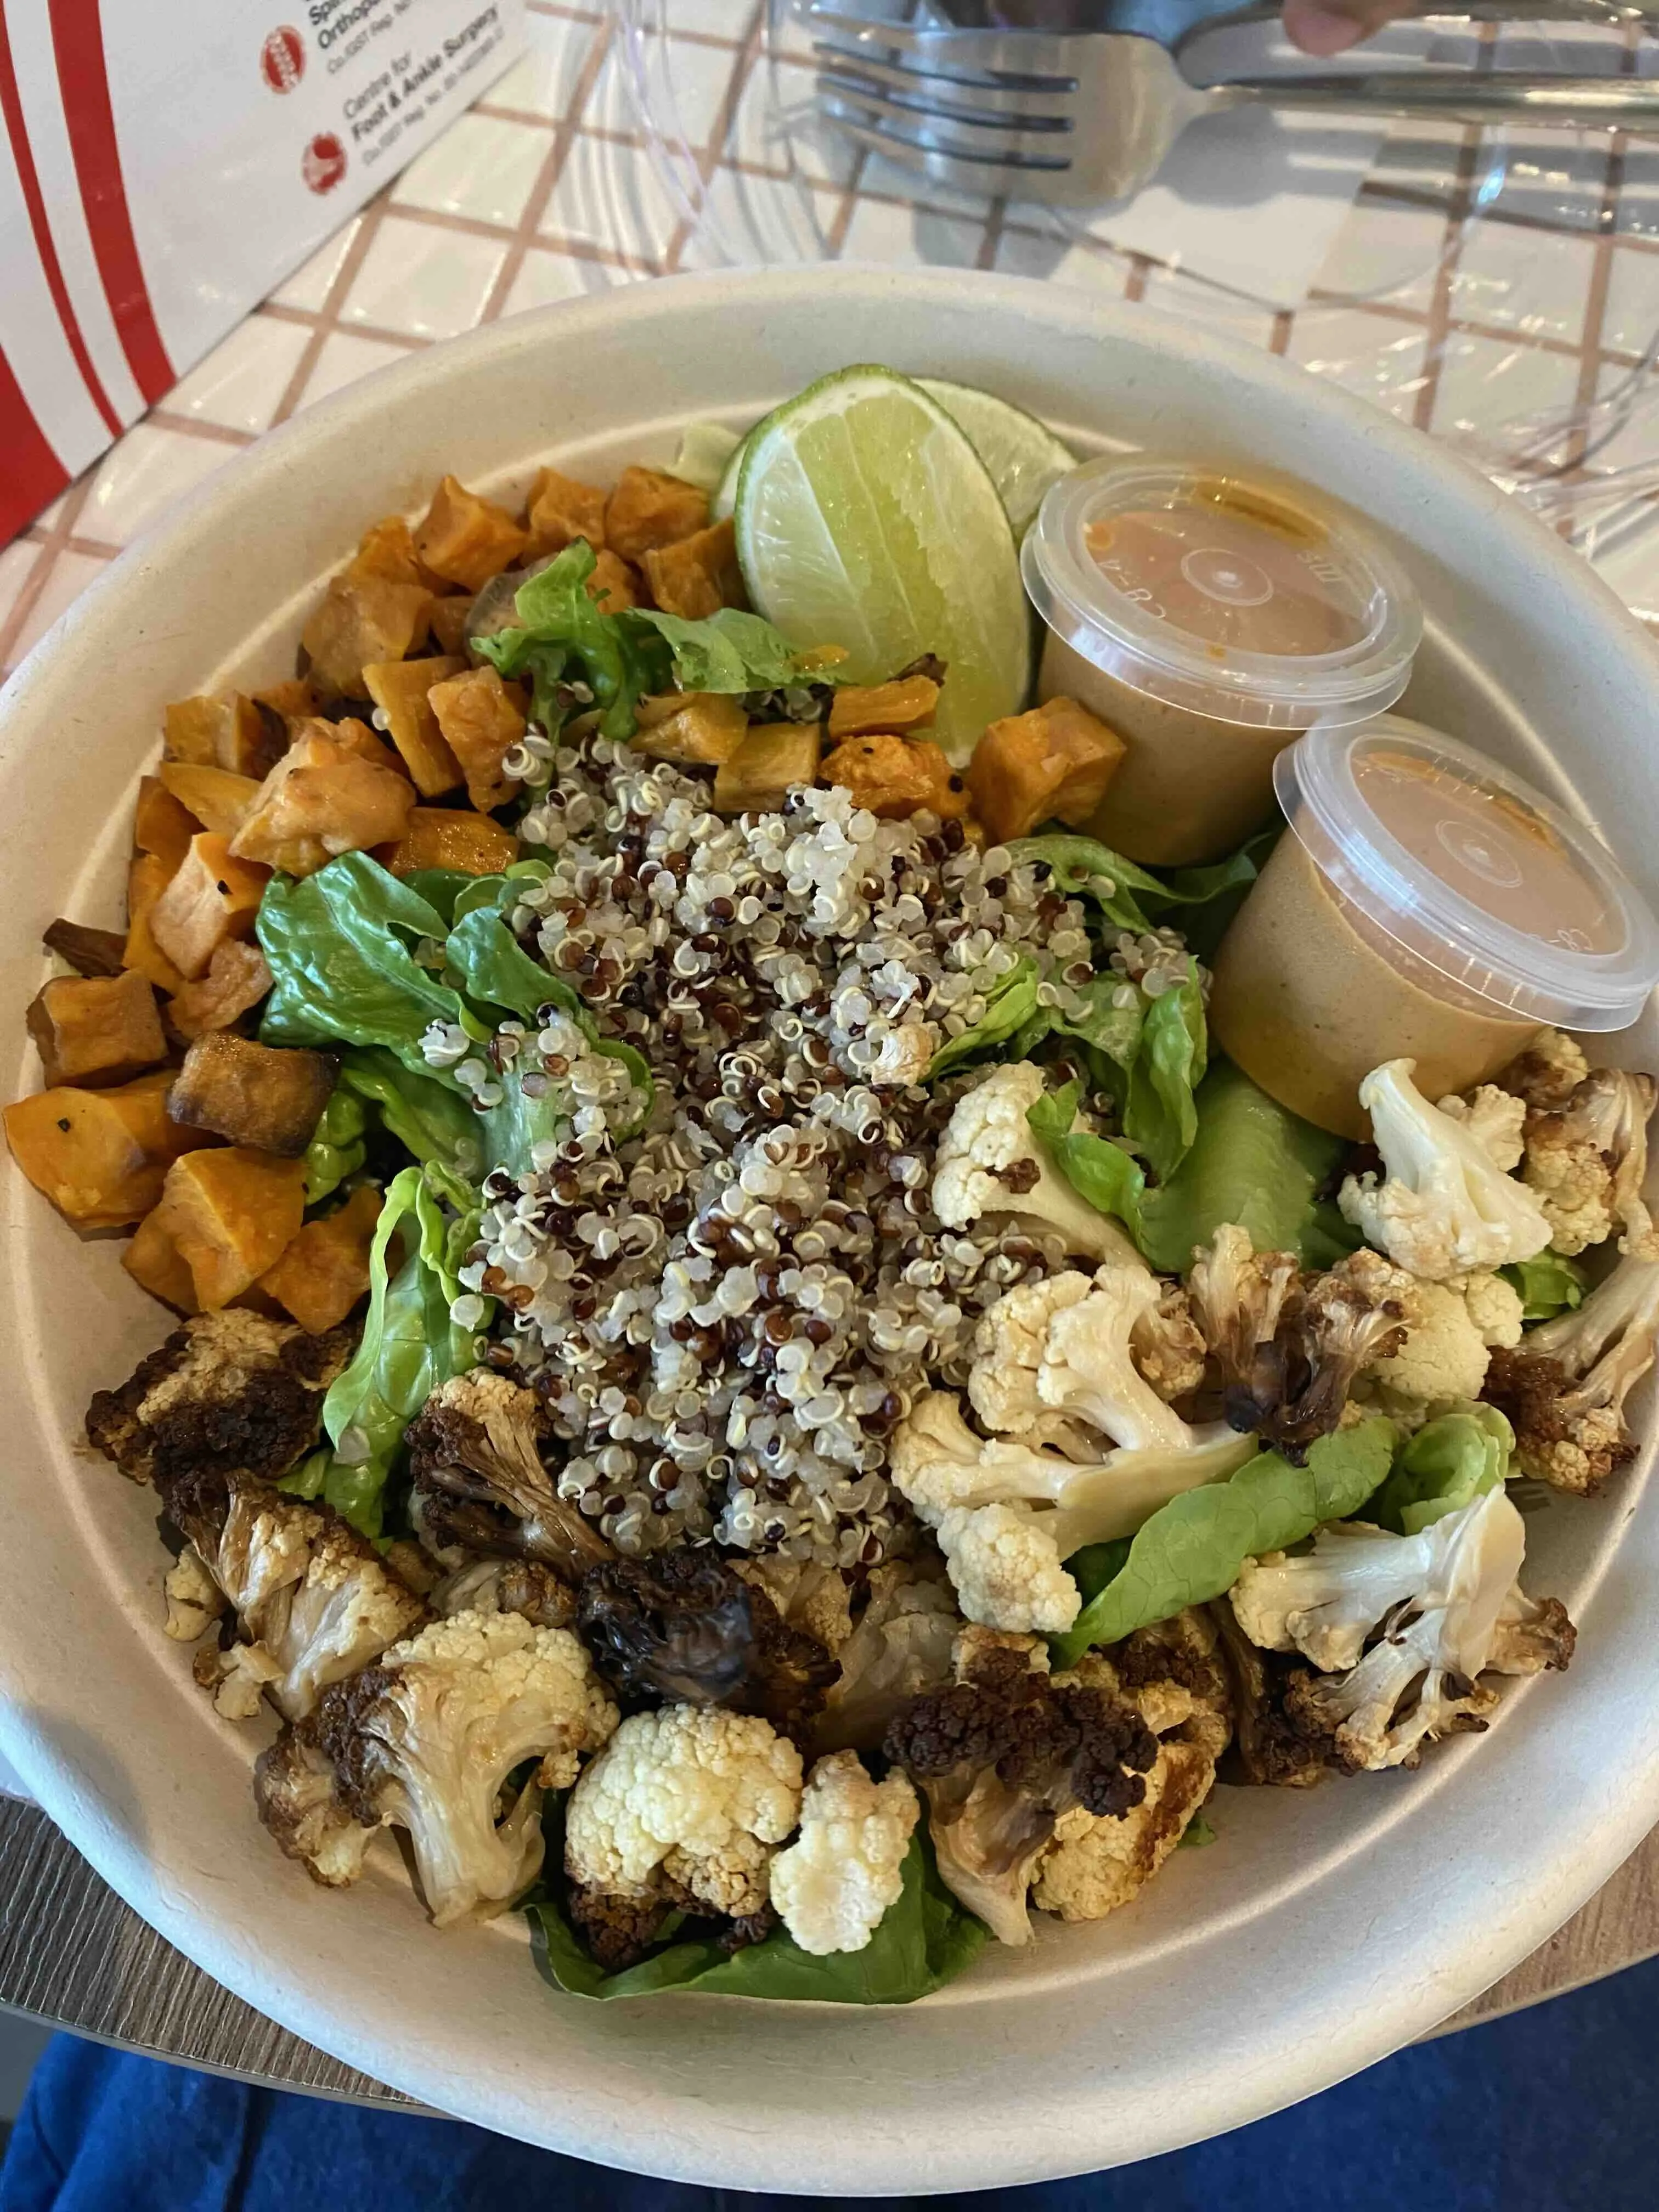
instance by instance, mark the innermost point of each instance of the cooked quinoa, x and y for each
(727, 1311)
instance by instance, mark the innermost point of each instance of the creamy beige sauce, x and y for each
(1309, 996)
(1238, 578)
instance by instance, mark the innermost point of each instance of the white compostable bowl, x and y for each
(1324, 1928)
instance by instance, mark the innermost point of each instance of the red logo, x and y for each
(324, 162)
(282, 58)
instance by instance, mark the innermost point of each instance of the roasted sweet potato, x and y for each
(355, 736)
(561, 510)
(1051, 764)
(95, 1030)
(161, 824)
(223, 730)
(153, 1260)
(322, 799)
(702, 729)
(88, 951)
(451, 624)
(362, 619)
(649, 509)
(213, 895)
(481, 719)
(237, 979)
(218, 799)
(450, 838)
(467, 539)
(232, 1213)
(696, 576)
(386, 549)
(297, 695)
(147, 878)
(268, 1096)
(766, 762)
(858, 710)
(398, 689)
(324, 1270)
(894, 777)
(613, 585)
(99, 1156)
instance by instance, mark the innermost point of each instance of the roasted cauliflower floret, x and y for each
(834, 1884)
(194, 1599)
(1565, 1389)
(1445, 1206)
(901, 1643)
(1171, 1675)
(522, 1586)
(479, 1483)
(1586, 1162)
(1548, 1071)
(989, 1165)
(1445, 1349)
(426, 1742)
(229, 1390)
(1002, 1384)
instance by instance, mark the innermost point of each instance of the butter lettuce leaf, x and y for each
(1450, 1461)
(1550, 1285)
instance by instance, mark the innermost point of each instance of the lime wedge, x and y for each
(866, 519)
(724, 500)
(1023, 455)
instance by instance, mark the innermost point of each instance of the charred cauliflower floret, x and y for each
(1171, 1675)
(426, 1742)
(1002, 1754)
(687, 1627)
(834, 1884)
(1586, 1162)
(227, 1390)
(522, 1586)
(1270, 1747)
(479, 1483)
(989, 1165)
(809, 1595)
(901, 1643)
(1289, 1348)
(1565, 1389)
(1547, 1072)
(683, 1808)
(313, 1599)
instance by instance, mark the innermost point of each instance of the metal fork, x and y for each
(1083, 118)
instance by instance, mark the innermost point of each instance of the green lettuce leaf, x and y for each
(426, 1117)
(1450, 1461)
(730, 651)
(409, 1345)
(1550, 1285)
(1008, 1009)
(926, 1939)
(1160, 1114)
(1082, 867)
(338, 1143)
(440, 887)
(339, 945)
(1194, 1548)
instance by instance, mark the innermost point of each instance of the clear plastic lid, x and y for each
(1471, 870)
(1244, 600)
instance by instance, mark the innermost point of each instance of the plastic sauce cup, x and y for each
(1209, 619)
(1424, 902)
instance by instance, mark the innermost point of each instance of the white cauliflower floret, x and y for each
(1002, 1385)
(905, 1057)
(1494, 1119)
(691, 1795)
(989, 1164)
(834, 1883)
(1496, 1308)
(1088, 1370)
(194, 1599)
(1445, 1207)
(1445, 1353)
(1587, 1161)
(1007, 1572)
(1548, 1071)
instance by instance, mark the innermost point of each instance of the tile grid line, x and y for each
(39, 575)
(564, 136)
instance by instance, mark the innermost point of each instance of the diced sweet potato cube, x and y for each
(322, 799)
(324, 1270)
(764, 765)
(223, 730)
(704, 729)
(696, 576)
(398, 689)
(467, 539)
(96, 1030)
(1051, 764)
(362, 619)
(153, 1260)
(560, 511)
(88, 951)
(481, 719)
(613, 585)
(231, 1214)
(162, 822)
(451, 624)
(99, 1156)
(219, 800)
(355, 736)
(450, 838)
(147, 878)
(214, 894)
(894, 777)
(298, 696)
(650, 508)
(386, 549)
(268, 1096)
(237, 978)
(858, 710)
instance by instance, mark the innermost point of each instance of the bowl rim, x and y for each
(1358, 1999)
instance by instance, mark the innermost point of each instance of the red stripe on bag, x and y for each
(30, 472)
(11, 108)
(78, 40)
